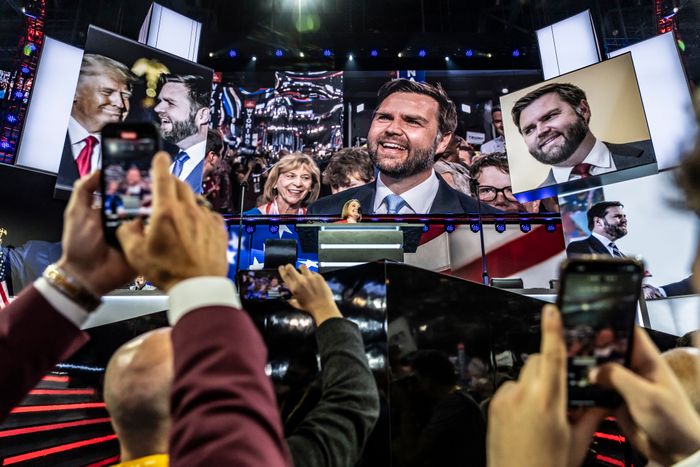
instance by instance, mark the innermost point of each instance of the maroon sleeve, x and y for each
(223, 405)
(33, 338)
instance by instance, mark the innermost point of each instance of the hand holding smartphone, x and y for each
(598, 302)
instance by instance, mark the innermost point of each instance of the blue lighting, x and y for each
(551, 228)
(279, 53)
(426, 227)
(449, 228)
(500, 227)
(11, 118)
(475, 227)
(274, 228)
(516, 53)
(25, 70)
(5, 145)
(233, 53)
(469, 53)
(19, 94)
(422, 53)
(250, 228)
(327, 52)
(525, 227)
(374, 52)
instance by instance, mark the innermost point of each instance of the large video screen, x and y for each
(123, 81)
(583, 129)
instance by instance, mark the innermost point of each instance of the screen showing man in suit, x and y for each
(607, 222)
(580, 130)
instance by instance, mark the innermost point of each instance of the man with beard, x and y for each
(101, 96)
(553, 121)
(413, 122)
(183, 110)
(607, 222)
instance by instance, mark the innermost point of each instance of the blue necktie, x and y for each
(615, 250)
(394, 203)
(180, 160)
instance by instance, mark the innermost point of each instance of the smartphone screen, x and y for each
(127, 151)
(598, 302)
(263, 284)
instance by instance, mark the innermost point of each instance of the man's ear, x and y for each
(584, 110)
(443, 142)
(202, 117)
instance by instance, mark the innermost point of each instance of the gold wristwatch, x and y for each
(71, 288)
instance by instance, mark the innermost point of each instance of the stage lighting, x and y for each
(25, 70)
(211, 54)
(274, 228)
(5, 145)
(426, 227)
(400, 55)
(449, 228)
(489, 55)
(279, 53)
(469, 53)
(422, 53)
(516, 53)
(550, 228)
(233, 53)
(19, 94)
(504, 91)
(374, 53)
(350, 57)
(525, 227)
(475, 227)
(301, 54)
(327, 52)
(254, 58)
(447, 59)
(250, 228)
(11, 118)
(500, 227)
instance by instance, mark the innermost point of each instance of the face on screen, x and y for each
(174, 110)
(402, 138)
(552, 129)
(100, 100)
(294, 185)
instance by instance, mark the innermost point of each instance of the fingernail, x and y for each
(593, 374)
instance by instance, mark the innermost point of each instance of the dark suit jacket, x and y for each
(589, 246)
(27, 350)
(67, 172)
(624, 156)
(447, 200)
(223, 405)
(684, 287)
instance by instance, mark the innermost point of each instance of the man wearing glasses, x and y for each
(490, 181)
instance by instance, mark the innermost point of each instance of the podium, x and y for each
(345, 245)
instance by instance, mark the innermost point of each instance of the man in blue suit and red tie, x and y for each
(183, 111)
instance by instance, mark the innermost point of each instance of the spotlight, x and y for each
(426, 227)
(233, 53)
(675, 9)
(469, 53)
(5, 145)
(504, 91)
(400, 55)
(327, 52)
(25, 70)
(516, 53)
(301, 54)
(274, 228)
(350, 57)
(475, 227)
(250, 228)
(449, 228)
(447, 59)
(550, 228)
(211, 54)
(19, 94)
(254, 58)
(279, 53)
(374, 53)
(525, 227)
(11, 118)
(422, 53)
(489, 55)
(500, 227)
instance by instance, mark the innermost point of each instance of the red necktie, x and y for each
(583, 170)
(85, 157)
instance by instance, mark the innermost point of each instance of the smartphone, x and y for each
(127, 151)
(598, 301)
(262, 284)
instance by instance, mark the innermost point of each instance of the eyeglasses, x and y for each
(489, 193)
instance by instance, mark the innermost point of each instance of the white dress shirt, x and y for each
(419, 199)
(76, 134)
(600, 159)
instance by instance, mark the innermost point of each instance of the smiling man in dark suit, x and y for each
(554, 122)
(413, 122)
(607, 222)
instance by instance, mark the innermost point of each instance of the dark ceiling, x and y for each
(441, 27)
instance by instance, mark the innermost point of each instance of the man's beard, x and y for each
(417, 160)
(573, 136)
(614, 231)
(180, 130)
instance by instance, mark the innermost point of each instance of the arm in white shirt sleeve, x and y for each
(200, 292)
(64, 305)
